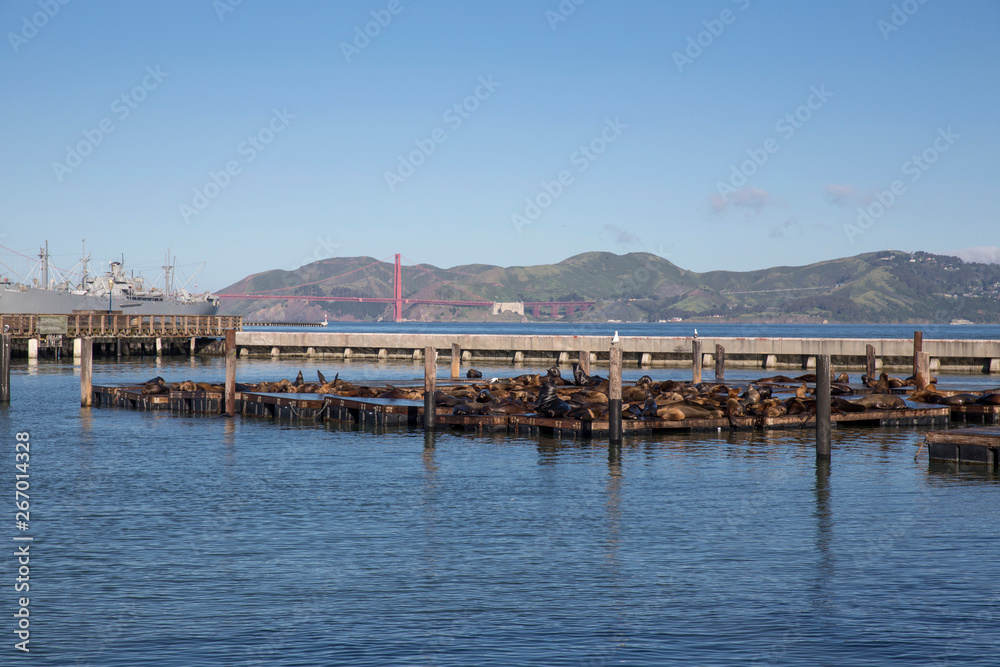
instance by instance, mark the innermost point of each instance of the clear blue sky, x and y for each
(832, 99)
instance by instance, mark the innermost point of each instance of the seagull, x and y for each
(615, 339)
(695, 333)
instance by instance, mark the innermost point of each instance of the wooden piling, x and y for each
(86, 371)
(695, 361)
(585, 361)
(230, 348)
(430, 384)
(720, 362)
(823, 407)
(5, 344)
(615, 395)
(456, 360)
(922, 374)
(918, 347)
(869, 361)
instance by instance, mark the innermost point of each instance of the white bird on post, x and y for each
(695, 333)
(615, 339)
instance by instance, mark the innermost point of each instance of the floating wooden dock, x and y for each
(965, 445)
(381, 413)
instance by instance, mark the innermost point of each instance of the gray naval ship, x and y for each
(114, 291)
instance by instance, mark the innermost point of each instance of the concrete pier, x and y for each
(646, 351)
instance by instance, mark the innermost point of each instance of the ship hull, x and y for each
(43, 302)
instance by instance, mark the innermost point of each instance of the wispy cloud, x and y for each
(746, 198)
(790, 227)
(841, 195)
(846, 195)
(988, 254)
(621, 236)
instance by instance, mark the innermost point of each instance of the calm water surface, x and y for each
(171, 540)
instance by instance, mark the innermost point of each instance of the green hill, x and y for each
(882, 287)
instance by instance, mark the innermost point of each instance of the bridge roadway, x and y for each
(957, 355)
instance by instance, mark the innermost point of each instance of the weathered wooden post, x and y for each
(869, 361)
(456, 360)
(585, 361)
(823, 407)
(430, 384)
(5, 344)
(922, 376)
(86, 372)
(918, 347)
(615, 395)
(230, 372)
(720, 362)
(695, 361)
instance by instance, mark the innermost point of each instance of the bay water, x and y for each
(162, 539)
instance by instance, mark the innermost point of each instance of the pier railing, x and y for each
(105, 325)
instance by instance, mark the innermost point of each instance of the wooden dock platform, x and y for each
(966, 445)
(381, 413)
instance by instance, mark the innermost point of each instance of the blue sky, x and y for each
(720, 135)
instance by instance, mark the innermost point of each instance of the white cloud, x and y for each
(748, 198)
(989, 254)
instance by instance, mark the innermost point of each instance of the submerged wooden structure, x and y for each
(965, 445)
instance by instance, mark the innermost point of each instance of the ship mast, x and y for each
(43, 255)
(166, 275)
(83, 260)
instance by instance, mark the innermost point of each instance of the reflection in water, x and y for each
(824, 533)
(229, 437)
(612, 556)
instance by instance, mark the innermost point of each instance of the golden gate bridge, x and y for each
(399, 301)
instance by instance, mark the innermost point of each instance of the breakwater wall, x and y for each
(642, 351)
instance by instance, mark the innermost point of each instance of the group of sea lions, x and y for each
(586, 397)
(158, 385)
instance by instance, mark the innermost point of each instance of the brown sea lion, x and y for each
(959, 399)
(472, 374)
(992, 398)
(881, 402)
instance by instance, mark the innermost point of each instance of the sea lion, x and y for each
(992, 398)
(959, 399)
(881, 402)
(843, 378)
(472, 374)
(298, 380)
(319, 374)
(549, 403)
(579, 377)
(882, 385)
